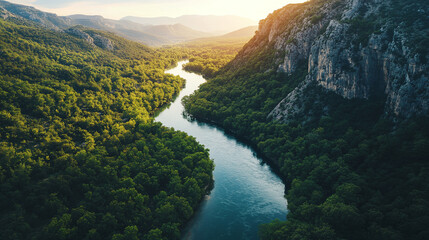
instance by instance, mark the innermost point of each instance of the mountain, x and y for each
(49, 20)
(150, 35)
(233, 39)
(175, 33)
(152, 20)
(130, 30)
(211, 24)
(208, 55)
(335, 96)
(355, 49)
(247, 32)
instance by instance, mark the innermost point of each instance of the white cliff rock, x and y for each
(350, 50)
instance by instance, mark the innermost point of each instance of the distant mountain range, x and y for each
(45, 19)
(247, 32)
(150, 31)
(148, 34)
(212, 24)
(238, 37)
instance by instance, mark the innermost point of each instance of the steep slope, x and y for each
(149, 35)
(127, 29)
(209, 24)
(357, 49)
(80, 157)
(210, 54)
(48, 20)
(334, 94)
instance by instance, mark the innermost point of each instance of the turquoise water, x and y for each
(246, 192)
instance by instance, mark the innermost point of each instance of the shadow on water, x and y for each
(246, 192)
(264, 160)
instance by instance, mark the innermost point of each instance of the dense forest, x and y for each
(351, 172)
(207, 56)
(80, 156)
(346, 179)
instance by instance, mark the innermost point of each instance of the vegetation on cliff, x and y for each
(351, 171)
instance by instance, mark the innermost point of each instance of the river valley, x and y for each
(246, 192)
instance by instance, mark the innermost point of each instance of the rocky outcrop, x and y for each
(382, 64)
(355, 48)
(5, 14)
(48, 20)
(292, 105)
(81, 34)
(92, 39)
(53, 22)
(103, 42)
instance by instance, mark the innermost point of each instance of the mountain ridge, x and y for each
(317, 39)
(150, 35)
(69, 110)
(240, 37)
(243, 32)
(205, 23)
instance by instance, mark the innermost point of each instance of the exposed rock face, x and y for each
(81, 34)
(384, 65)
(48, 20)
(5, 14)
(103, 42)
(352, 47)
(291, 106)
(53, 22)
(94, 39)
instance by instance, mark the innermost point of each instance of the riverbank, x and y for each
(246, 192)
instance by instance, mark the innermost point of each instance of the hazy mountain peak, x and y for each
(205, 23)
(49, 20)
(78, 16)
(170, 32)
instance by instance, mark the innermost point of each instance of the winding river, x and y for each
(246, 192)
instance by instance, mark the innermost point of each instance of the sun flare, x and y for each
(114, 9)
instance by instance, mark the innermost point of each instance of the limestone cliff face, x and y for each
(356, 48)
(93, 39)
(48, 20)
(103, 42)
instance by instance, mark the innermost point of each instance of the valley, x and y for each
(201, 126)
(246, 193)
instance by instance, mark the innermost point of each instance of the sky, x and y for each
(116, 9)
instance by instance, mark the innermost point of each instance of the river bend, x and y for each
(246, 192)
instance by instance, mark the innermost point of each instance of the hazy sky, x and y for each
(117, 9)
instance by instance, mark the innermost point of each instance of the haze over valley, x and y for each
(150, 31)
(214, 120)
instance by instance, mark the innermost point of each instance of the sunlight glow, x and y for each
(116, 9)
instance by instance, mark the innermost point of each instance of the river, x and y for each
(246, 192)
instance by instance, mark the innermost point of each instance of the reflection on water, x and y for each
(246, 192)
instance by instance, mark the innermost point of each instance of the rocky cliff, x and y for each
(9, 11)
(356, 48)
(92, 38)
(48, 20)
